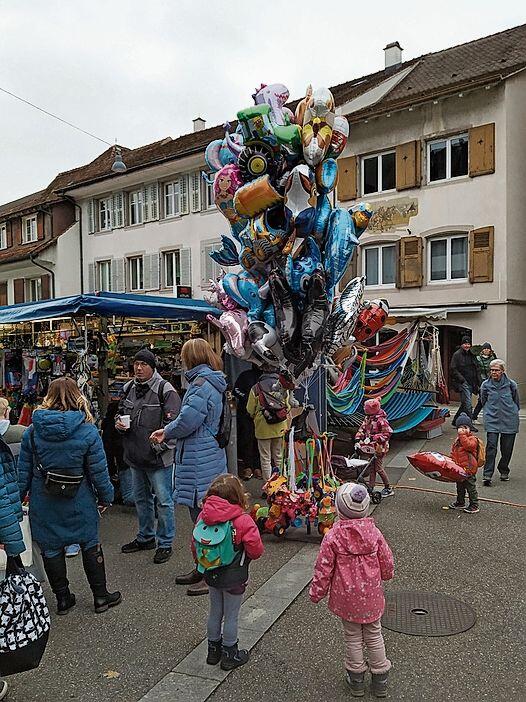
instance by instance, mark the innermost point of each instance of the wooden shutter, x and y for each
(20, 290)
(151, 271)
(9, 234)
(410, 268)
(45, 282)
(118, 210)
(408, 165)
(184, 206)
(195, 182)
(118, 281)
(347, 179)
(481, 247)
(185, 257)
(482, 150)
(351, 271)
(3, 293)
(91, 216)
(40, 225)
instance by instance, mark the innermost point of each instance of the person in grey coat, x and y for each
(499, 396)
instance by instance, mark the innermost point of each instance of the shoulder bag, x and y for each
(56, 484)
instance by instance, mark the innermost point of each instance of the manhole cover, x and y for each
(426, 614)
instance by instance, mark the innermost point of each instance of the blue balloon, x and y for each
(339, 246)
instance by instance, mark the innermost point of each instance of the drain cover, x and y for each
(426, 614)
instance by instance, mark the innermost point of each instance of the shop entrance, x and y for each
(450, 338)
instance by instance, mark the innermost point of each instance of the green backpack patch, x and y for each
(214, 545)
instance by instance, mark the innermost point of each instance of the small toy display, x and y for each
(438, 467)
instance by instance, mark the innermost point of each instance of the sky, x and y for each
(138, 71)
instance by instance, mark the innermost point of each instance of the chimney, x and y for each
(199, 124)
(393, 54)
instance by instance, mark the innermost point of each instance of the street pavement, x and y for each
(122, 654)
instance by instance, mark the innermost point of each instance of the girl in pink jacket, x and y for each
(373, 438)
(353, 560)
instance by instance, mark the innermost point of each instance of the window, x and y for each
(34, 289)
(171, 268)
(447, 158)
(176, 200)
(136, 207)
(171, 199)
(29, 230)
(105, 208)
(448, 259)
(379, 173)
(136, 273)
(104, 275)
(209, 192)
(379, 265)
(3, 236)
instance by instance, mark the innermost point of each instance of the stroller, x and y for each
(356, 468)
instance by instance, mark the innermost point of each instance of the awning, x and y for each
(431, 313)
(106, 304)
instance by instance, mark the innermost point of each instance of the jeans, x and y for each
(506, 449)
(126, 485)
(148, 484)
(52, 552)
(470, 486)
(270, 451)
(465, 402)
(355, 636)
(478, 408)
(224, 608)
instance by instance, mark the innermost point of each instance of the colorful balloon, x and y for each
(340, 134)
(438, 467)
(318, 120)
(342, 319)
(233, 325)
(275, 96)
(339, 246)
(371, 319)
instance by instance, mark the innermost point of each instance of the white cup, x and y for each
(125, 419)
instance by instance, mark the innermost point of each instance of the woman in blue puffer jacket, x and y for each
(198, 458)
(64, 440)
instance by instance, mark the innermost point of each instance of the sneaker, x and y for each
(71, 551)
(505, 477)
(3, 689)
(471, 509)
(162, 555)
(356, 682)
(486, 483)
(477, 421)
(387, 492)
(136, 545)
(457, 505)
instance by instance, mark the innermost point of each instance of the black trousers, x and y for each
(506, 449)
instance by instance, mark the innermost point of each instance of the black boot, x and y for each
(233, 657)
(93, 562)
(214, 652)
(56, 572)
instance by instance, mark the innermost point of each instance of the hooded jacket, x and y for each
(10, 507)
(65, 443)
(198, 458)
(353, 560)
(465, 451)
(270, 384)
(216, 509)
(377, 429)
(501, 403)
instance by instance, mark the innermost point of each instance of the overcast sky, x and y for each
(138, 71)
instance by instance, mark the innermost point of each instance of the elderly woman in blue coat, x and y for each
(499, 397)
(198, 458)
(63, 440)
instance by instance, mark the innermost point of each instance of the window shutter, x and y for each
(20, 290)
(91, 278)
(150, 200)
(408, 165)
(481, 247)
(195, 181)
(45, 282)
(210, 270)
(9, 235)
(91, 217)
(482, 150)
(351, 271)
(118, 210)
(40, 225)
(183, 195)
(409, 254)
(347, 180)
(3, 293)
(151, 271)
(118, 282)
(186, 266)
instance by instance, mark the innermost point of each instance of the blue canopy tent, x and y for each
(107, 304)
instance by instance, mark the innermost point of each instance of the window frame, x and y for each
(379, 183)
(176, 268)
(378, 247)
(37, 282)
(448, 280)
(98, 278)
(176, 211)
(139, 205)
(132, 261)
(108, 203)
(34, 230)
(448, 140)
(3, 236)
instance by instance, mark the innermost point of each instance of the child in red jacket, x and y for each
(353, 560)
(464, 452)
(226, 501)
(373, 438)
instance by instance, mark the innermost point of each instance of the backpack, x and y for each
(214, 545)
(481, 454)
(225, 422)
(273, 410)
(160, 394)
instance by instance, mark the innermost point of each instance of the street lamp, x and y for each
(118, 165)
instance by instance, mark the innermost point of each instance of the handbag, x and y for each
(56, 484)
(235, 573)
(24, 620)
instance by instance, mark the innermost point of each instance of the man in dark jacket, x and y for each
(247, 446)
(149, 403)
(465, 376)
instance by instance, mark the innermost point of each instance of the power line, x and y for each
(50, 114)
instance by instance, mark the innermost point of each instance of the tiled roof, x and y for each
(441, 73)
(23, 252)
(27, 202)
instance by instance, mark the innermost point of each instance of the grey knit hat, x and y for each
(352, 501)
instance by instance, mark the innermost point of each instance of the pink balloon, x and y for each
(233, 325)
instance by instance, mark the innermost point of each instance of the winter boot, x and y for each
(214, 652)
(93, 562)
(379, 684)
(56, 572)
(233, 657)
(356, 682)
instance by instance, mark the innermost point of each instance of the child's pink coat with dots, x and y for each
(353, 560)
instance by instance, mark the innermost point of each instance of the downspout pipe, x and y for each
(81, 243)
(51, 272)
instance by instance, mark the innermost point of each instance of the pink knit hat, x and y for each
(372, 406)
(352, 501)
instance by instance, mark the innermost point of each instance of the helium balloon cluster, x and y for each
(274, 175)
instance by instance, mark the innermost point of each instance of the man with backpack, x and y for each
(148, 402)
(268, 405)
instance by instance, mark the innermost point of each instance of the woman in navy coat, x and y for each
(198, 458)
(67, 442)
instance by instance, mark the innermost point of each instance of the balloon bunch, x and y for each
(274, 176)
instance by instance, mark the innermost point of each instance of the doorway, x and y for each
(450, 338)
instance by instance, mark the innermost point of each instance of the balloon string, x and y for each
(452, 494)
